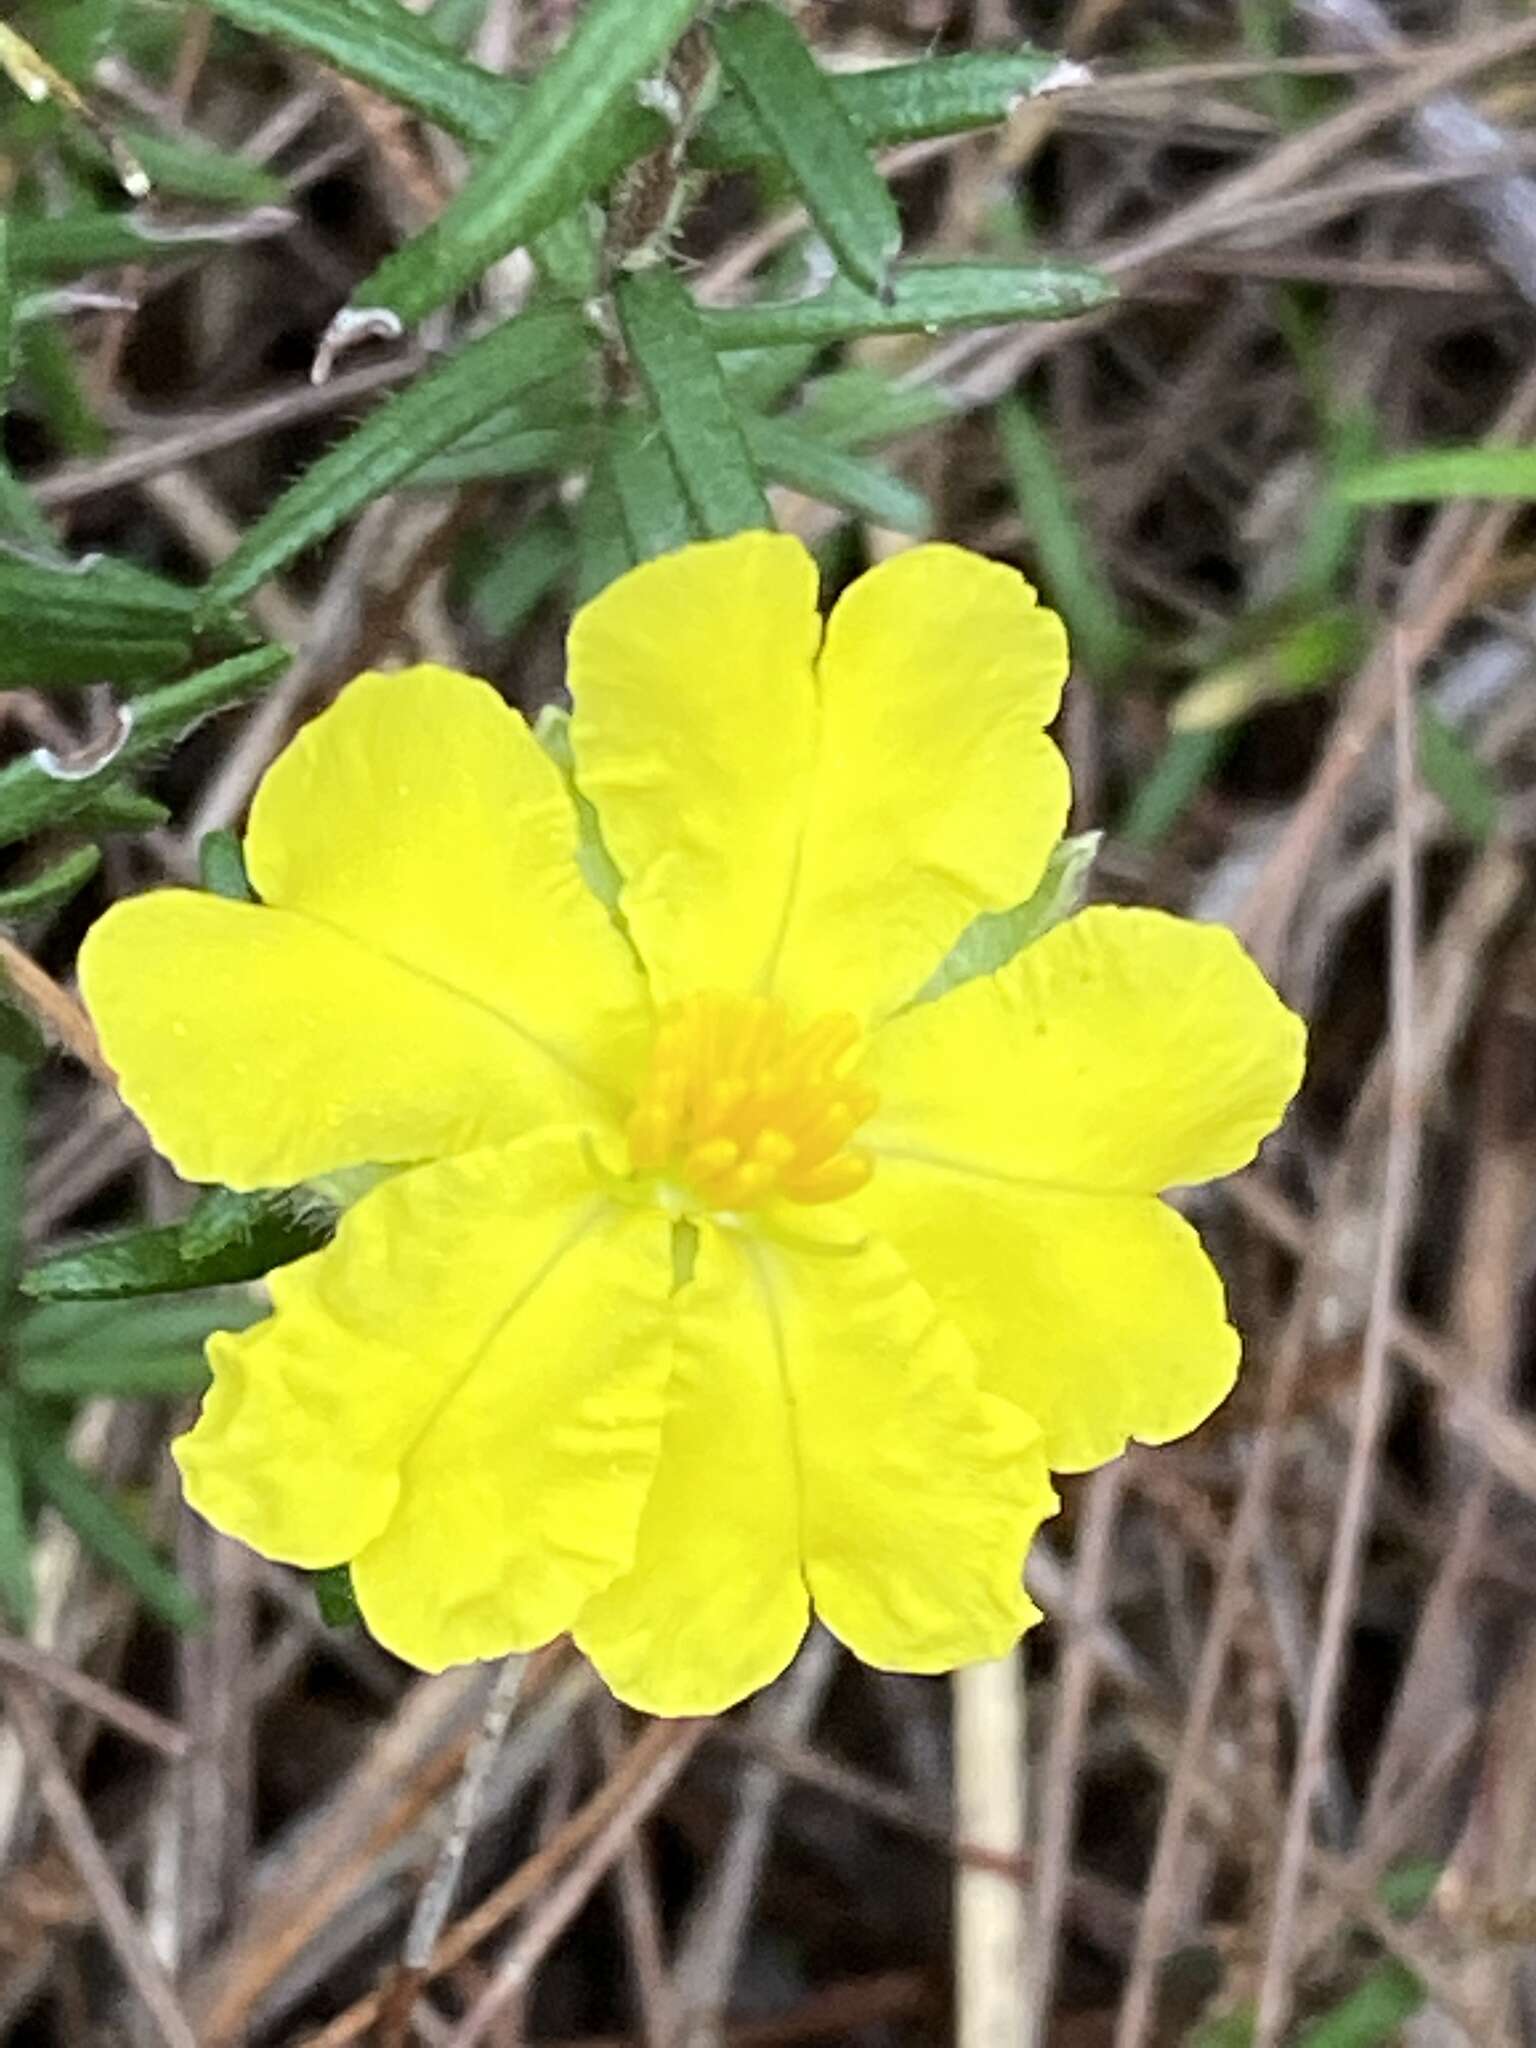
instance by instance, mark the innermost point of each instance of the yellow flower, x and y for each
(721, 1283)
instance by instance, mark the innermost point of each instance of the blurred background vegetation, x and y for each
(345, 332)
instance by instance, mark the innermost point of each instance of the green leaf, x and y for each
(55, 1337)
(858, 408)
(1069, 565)
(57, 389)
(98, 1375)
(603, 550)
(666, 340)
(556, 152)
(516, 575)
(1372, 2016)
(20, 518)
(221, 866)
(439, 408)
(552, 730)
(100, 1524)
(186, 168)
(225, 1238)
(335, 1598)
(31, 797)
(551, 426)
(812, 136)
(18, 1593)
(54, 886)
(389, 50)
(65, 245)
(786, 453)
(1488, 469)
(656, 513)
(1181, 771)
(1449, 767)
(758, 378)
(994, 938)
(21, 1045)
(97, 620)
(924, 298)
(893, 104)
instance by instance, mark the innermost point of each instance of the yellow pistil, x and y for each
(740, 1109)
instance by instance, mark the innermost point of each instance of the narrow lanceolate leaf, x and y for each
(100, 1524)
(992, 939)
(923, 298)
(859, 408)
(603, 548)
(655, 510)
(1489, 470)
(810, 133)
(20, 519)
(893, 104)
(226, 1238)
(508, 581)
(102, 1374)
(57, 1339)
(665, 337)
(32, 797)
(388, 49)
(557, 152)
(18, 1594)
(786, 453)
(91, 239)
(54, 886)
(398, 438)
(69, 623)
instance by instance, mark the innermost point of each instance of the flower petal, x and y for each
(431, 973)
(463, 1395)
(827, 1435)
(829, 833)
(259, 1047)
(920, 1492)
(1125, 1052)
(938, 795)
(694, 732)
(714, 1605)
(1099, 1315)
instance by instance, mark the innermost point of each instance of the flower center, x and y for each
(741, 1109)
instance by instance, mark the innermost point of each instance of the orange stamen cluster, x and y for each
(740, 1109)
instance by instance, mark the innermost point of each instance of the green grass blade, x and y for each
(786, 453)
(559, 149)
(810, 133)
(1180, 772)
(439, 408)
(1428, 475)
(1070, 570)
(102, 1526)
(666, 339)
(924, 298)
